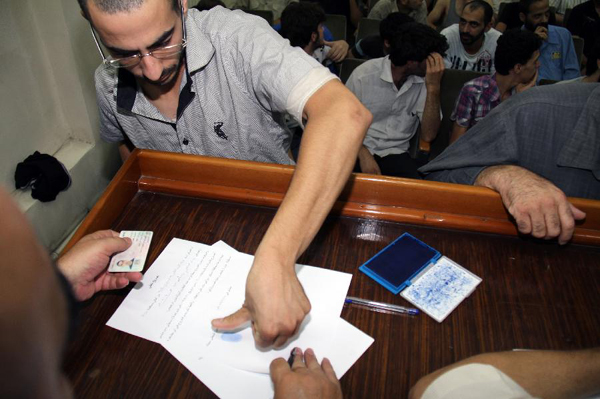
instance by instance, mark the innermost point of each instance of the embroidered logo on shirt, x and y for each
(220, 133)
(555, 55)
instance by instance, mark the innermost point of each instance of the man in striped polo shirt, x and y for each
(212, 83)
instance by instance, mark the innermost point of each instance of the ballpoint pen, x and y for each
(380, 306)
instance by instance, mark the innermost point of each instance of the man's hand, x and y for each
(521, 87)
(367, 162)
(542, 32)
(84, 266)
(275, 305)
(338, 51)
(306, 379)
(538, 206)
(435, 71)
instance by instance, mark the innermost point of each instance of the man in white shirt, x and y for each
(402, 91)
(473, 40)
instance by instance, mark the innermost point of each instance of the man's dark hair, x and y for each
(390, 24)
(592, 61)
(204, 5)
(515, 46)
(488, 11)
(299, 21)
(524, 5)
(116, 6)
(414, 42)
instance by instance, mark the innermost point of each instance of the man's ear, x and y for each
(314, 37)
(517, 68)
(184, 5)
(489, 26)
(522, 17)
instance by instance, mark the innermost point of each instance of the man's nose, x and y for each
(151, 68)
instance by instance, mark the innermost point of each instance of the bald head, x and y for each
(33, 312)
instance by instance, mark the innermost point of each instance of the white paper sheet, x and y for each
(230, 383)
(190, 284)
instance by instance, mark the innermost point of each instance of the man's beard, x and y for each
(163, 80)
(531, 27)
(467, 39)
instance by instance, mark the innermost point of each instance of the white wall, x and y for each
(49, 105)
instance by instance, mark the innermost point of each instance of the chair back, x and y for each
(336, 25)
(578, 44)
(367, 27)
(566, 17)
(347, 67)
(450, 87)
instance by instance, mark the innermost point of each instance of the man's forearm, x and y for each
(431, 115)
(337, 123)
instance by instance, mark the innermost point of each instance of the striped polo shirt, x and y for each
(240, 76)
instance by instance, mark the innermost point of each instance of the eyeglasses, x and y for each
(160, 53)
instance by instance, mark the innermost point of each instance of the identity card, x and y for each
(134, 257)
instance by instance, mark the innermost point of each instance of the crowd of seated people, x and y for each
(403, 94)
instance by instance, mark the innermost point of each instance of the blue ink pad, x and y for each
(231, 337)
(397, 264)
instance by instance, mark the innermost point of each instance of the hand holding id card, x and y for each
(134, 257)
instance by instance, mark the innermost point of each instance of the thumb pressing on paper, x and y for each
(233, 321)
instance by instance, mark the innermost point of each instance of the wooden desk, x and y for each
(534, 294)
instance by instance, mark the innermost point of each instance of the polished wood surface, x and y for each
(534, 294)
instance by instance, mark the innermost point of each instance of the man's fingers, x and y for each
(134, 277)
(278, 368)
(311, 359)
(538, 224)
(523, 222)
(553, 223)
(578, 214)
(116, 244)
(568, 214)
(232, 321)
(280, 341)
(329, 371)
(298, 360)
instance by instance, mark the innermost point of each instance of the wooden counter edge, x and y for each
(435, 204)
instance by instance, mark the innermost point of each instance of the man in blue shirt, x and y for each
(557, 54)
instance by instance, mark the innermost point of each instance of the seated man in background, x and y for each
(472, 42)
(377, 46)
(402, 91)
(416, 9)
(302, 25)
(446, 13)
(558, 60)
(516, 61)
(534, 150)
